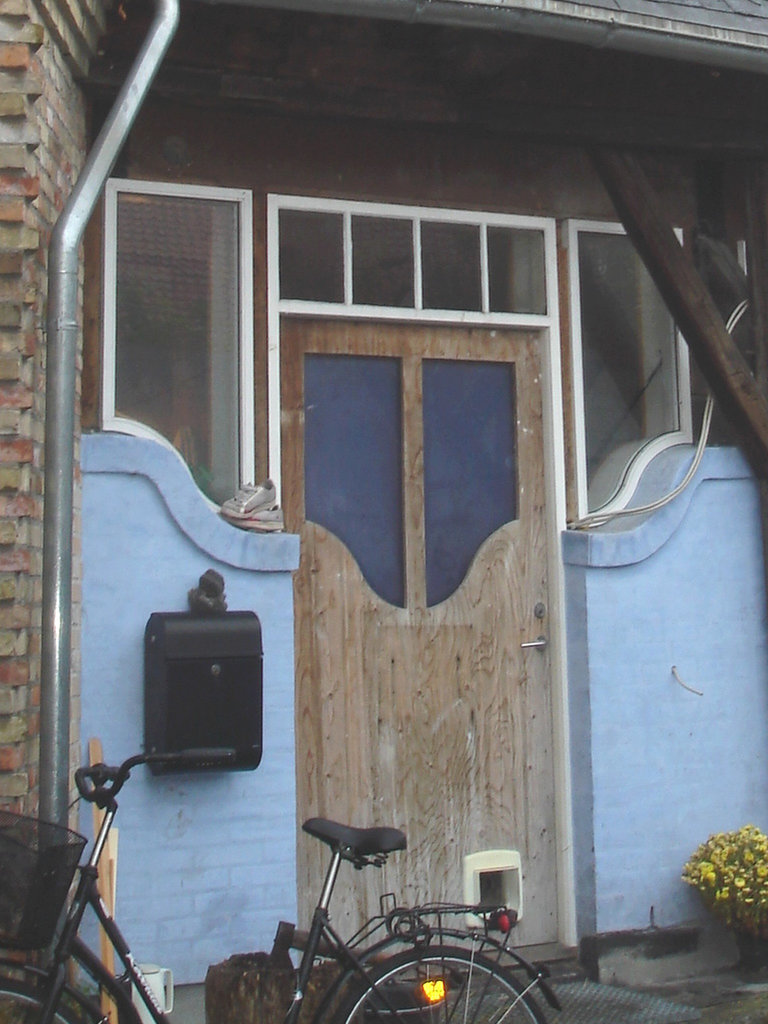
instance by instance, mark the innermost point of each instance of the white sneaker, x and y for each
(265, 521)
(249, 499)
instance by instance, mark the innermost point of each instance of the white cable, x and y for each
(598, 519)
(685, 686)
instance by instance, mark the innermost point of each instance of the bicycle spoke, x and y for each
(442, 986)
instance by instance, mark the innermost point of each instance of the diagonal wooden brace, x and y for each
(688, 300)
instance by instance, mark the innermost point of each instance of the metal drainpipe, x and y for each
(63, 272)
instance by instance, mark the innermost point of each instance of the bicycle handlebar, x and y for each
(100, 783)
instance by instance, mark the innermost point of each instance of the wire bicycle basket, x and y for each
(37, 864)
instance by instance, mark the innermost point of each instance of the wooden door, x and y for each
(413, 469)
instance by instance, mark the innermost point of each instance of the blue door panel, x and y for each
(353, 462)
(470, 464)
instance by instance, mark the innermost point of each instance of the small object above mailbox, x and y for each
(203, 684)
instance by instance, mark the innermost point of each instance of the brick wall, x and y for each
(44, 50)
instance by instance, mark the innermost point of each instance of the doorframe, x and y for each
(554, 440)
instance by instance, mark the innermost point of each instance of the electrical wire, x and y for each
(600, 519)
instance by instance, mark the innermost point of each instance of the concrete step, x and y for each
(562, 962)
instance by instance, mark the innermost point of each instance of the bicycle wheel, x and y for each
(20, 1003)
(441, 985)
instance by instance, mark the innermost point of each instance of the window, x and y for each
(437, 264)
(178, 324)
(631, 385)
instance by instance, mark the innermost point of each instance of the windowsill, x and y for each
(184, 502)
(630, 539)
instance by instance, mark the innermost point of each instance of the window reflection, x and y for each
(516, 280)
(177, 328)
(629, 356)
(382, 261)
(450, 265)
(311, 256)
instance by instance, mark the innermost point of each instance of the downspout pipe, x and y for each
(62, 340)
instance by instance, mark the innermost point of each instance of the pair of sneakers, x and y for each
(254, 507)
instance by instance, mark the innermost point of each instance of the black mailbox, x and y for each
(203, 684)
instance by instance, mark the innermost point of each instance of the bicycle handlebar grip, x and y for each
(83, 783)
(97, 783)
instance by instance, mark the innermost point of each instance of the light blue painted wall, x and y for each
(206, 862)
(667, 767)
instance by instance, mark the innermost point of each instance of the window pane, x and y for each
(382, 261)
(177, 337)
(516, 281)
(311, 256)
(353, 462)
(470, 464)
(450, 266)
(629, 356)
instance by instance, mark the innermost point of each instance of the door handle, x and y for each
(538, 644)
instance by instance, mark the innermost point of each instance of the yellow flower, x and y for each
(730, 870)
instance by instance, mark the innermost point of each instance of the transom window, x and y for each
(178, 325)
(430, 262)
(631, 388)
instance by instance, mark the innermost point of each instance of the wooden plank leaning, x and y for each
(107, 884)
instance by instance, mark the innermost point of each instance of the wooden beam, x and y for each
(502, 110)
(688, 299)
(757, 265)
(320, 65)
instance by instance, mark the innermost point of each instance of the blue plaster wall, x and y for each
(657, 768)
(206, 862)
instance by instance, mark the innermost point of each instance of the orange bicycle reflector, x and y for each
(433, 990)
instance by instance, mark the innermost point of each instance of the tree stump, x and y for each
(250, 988)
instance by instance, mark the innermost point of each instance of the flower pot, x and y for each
(753, 952)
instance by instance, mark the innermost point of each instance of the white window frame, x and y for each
(636, 465)
(277, 306)
(242, 199)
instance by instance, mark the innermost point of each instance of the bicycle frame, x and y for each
(335, 948)
(71, 947)
(413, 928)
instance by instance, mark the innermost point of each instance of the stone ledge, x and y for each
(656, 955)
(629, 540)
(194, 515)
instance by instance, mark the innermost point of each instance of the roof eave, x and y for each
(567, 22)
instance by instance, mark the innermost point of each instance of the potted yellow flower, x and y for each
(730, 872)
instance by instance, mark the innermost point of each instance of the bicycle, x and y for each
(407, 965)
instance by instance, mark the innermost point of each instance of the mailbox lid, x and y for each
(182, 635)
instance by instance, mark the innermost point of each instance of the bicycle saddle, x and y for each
(356, 844)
